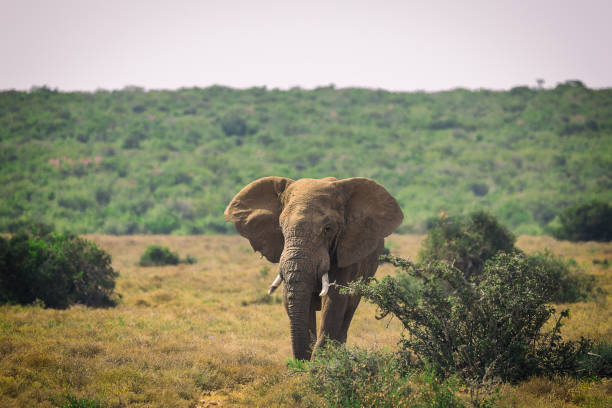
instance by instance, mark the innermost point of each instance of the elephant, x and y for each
(318, 230)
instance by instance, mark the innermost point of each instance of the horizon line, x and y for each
(142, 88)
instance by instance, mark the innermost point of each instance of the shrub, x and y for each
(156, 255)
(57, 269)
(358, 377)
(485, 329)
(591, 221)
(467, 243)
(573, 285)
(479, 189)
(234, 125)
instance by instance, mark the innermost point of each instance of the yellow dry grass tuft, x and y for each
(196, 335)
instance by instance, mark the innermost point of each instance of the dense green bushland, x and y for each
(57, 269)
(135, 161)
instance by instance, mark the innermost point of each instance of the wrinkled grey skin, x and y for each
(312, 228)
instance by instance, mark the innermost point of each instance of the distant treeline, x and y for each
(158, 162)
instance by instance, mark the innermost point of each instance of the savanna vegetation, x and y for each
(206, 333)
(160, 162)
(479, 319)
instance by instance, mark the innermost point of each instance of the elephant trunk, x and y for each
(298, 309)
(298, 271)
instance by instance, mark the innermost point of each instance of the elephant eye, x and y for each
(328, 228)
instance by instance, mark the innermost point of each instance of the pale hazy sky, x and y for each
(395, 45)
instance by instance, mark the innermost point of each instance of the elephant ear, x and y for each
(370, 214)
(255, 211)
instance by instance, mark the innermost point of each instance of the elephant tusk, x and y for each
(275, 284)
(324, 284)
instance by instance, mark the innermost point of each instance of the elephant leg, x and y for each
(352, 304)
(333, 310)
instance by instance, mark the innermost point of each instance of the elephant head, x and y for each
(311, 227)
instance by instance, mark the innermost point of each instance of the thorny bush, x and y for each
(484, 329)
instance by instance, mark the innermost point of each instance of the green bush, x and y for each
(573, 285)
(156, 255)
(591, 221)
(355, 377)
(57, 269)
(467, 243)
(233, 125)
(485, 329)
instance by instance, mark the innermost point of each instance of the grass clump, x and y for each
(73, 402)
(57, 270)
(590, 221)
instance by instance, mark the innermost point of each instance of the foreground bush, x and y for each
(467, 242)
(357, 377)
(57, 269)
(485, 329)
(590, 221)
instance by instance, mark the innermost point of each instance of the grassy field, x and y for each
(207, 334)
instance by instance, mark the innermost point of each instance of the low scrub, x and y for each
(486, 329)
(156, 255)
(467, 243)
(356, 377)
(572, 284)
(37, 265)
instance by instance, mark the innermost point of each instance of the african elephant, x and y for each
(318, 230)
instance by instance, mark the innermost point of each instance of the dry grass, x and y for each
(195, 335)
